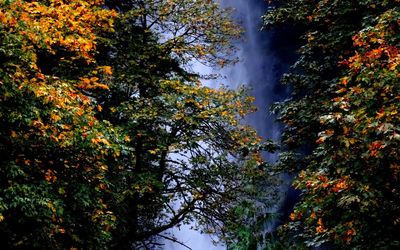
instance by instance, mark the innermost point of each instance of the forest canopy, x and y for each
(107, 138)
(341, 137)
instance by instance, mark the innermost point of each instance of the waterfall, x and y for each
(259, 68)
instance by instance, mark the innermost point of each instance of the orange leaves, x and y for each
(91, 83)
(98, 140)
(296, 216)
(13, 134)
(349, 235)
(320, 228)
(375, 44)
(3, 17)
(345, 80)
(69, 24)
(127, 138)
(55, 117)
(50, 176)
(340, 185)
(106, 69)
(380, 113)
(323, 183)
(324, 135)
(40, 76)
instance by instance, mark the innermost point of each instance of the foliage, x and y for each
(100, 157)
(53, 148)
(343, 111)
(189, 156)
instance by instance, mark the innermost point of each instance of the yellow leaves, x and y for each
(98, 140)
(88, 46)
(136, 187)
(179, 116)
(54, 117)
(257, 157)
(153, 151)
(79, 112)
(198, 196)
(107, 70)
(68, 24)
(102, 167)
(1, 218)
(341, 90)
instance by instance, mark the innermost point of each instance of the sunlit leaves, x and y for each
(189, 29)
(53, 146)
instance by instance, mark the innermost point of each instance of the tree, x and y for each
(189, 157)
(338, 115)
(53, 148)
(358, 153)
(111, 157)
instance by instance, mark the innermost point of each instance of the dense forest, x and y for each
(108, 138)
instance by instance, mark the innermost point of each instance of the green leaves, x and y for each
(100, 157)
(45, 120)
(343, 110)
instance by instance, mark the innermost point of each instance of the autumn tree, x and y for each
(358, 154)
(343, 115)
(52, 147)
(95, 156)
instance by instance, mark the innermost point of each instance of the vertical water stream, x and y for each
(259, 68)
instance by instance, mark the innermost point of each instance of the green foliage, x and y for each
(188, 157)
(51, 166)
(99, 157)
(344, 108)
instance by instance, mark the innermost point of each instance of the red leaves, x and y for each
(375, 147)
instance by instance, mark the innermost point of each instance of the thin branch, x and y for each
(175, 241)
